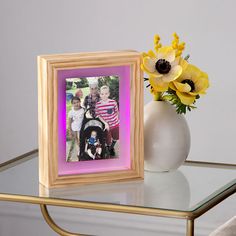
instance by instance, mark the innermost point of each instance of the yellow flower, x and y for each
(191, 83)
(162, 67)
(179, 47)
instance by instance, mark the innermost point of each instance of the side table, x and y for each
(185, 194)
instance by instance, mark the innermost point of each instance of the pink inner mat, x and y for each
(123, 161)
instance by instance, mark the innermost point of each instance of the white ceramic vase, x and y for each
(166, 137)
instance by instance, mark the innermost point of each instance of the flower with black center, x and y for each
(190, 84)
(163, 66)
(171, 78)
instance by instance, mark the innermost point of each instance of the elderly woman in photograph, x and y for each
(93, 97)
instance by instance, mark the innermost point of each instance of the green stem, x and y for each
(157, 96)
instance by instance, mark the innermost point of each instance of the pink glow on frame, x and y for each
(123, 161)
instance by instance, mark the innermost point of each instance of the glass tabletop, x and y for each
(183, 190)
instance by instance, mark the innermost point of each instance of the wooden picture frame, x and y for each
(57, 74)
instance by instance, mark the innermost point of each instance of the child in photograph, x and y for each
(93, 146)
(79, 93)
(107, 110)
(75, 116)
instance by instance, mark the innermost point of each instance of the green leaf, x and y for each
(166, 98)
(174, 100)
(187, 57)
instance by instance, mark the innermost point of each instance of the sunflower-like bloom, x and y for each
(190, 84)
(163, 66)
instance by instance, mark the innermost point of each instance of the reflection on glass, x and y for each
(127, 193)
(167, 190)
(185, 189)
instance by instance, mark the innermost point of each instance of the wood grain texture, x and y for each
(48, 113)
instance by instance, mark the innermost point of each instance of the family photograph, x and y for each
(92, 111)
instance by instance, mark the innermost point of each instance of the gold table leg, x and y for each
(190, 227)
(53, 225)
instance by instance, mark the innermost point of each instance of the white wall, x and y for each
(31, 27)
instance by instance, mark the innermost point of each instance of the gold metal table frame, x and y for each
(189, 216)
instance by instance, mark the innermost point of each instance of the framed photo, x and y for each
(90, 118)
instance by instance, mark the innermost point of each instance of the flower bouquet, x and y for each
(176, 85)
(171, 77)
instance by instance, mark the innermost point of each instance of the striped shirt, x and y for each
(108, 111)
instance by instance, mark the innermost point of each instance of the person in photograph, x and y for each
(75, 119)
(92, 98)
(93, 146)
(107, 110)
(79, 93)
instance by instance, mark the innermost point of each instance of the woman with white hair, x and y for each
(93, 97)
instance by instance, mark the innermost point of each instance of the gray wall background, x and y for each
(29, 28)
